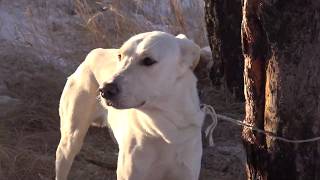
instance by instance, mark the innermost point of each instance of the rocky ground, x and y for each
(42, 42)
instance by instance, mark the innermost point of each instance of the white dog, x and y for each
(149, 90)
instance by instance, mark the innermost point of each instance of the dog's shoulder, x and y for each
(101, 63)
(102, 56)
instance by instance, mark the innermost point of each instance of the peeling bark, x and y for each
(281, 47)
(254, 45)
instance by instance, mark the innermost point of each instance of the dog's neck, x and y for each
(180, 112)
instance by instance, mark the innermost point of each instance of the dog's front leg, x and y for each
(77, 111)
(70, 144)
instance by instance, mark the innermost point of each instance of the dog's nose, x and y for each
(109, 91)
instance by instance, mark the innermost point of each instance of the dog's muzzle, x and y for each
(109, 91)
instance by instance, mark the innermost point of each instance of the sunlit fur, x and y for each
(156, 118)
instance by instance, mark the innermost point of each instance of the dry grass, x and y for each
(178, 14)
(90, 20)
(31, 130)
(103, 18)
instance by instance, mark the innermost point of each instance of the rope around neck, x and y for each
(208, 109)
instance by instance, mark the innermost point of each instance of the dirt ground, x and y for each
(29, 127)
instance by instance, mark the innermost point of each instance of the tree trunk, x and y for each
(281, 47)
(223, 20)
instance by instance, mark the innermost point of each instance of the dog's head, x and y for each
(149, 64)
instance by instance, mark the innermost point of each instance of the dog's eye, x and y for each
(119, 57)
(148, 61)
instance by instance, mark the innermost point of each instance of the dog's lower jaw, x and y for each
(120, 106)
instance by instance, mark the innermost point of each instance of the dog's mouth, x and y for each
(119, 106)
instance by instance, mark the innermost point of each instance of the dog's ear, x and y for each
(190, 51)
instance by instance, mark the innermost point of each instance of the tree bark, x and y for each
(223, 21)
(281, 47)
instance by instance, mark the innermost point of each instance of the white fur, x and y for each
(160, 140)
